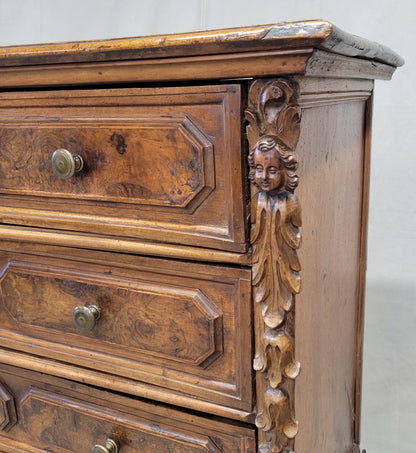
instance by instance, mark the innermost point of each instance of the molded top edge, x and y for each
(281, 36)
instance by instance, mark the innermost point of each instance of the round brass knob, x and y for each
(111, 446)
(86, 317)
(65, 164)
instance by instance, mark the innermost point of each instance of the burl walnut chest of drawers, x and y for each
(158, 289)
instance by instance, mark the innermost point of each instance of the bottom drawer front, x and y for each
(53, 415)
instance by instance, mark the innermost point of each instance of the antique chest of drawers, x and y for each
(158, 289)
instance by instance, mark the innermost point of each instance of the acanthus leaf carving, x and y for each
(273, 117)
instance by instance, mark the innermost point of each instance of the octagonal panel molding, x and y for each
(8, 416)
(180, 324)
(159, 161)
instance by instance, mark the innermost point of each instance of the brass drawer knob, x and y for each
(65, 164)
(111, 446)
(85, 318)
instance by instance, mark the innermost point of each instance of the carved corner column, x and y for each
(273, 117)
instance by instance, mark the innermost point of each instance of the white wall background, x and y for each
(389, 393)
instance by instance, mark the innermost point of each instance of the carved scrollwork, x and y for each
(273, 129)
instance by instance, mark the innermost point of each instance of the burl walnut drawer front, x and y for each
(183, 327)
(45, 414)
(161, 164)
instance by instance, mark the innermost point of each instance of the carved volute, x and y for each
(273, 132)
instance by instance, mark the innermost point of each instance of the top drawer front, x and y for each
(161, 164)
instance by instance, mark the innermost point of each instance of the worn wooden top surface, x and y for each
(283, 36)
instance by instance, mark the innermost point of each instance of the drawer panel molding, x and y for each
(174, 326)
(8, 416)
(150, 241)
(66, 417)
(45, 414)
(161, 165)
(273, 131)
(120, 160)
(177, 324)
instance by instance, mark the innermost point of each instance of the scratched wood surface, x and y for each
(285, 35)
(307, 47)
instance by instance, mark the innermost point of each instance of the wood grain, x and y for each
(132, 315)
(273, 115)
(119, 244)
(186, 236)
(187, 334)
(304, 60)
(311, 47)
(119, 161)
(8, 416)
(331, 151)
(285, 35)
(119, 384)
(322, 64)
(178, 178)
(362, 268)
(321, 91)
(47, 404)
(204, 67)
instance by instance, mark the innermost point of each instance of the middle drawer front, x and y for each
(180, 326)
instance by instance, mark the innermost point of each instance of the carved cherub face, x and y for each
(268, 172)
